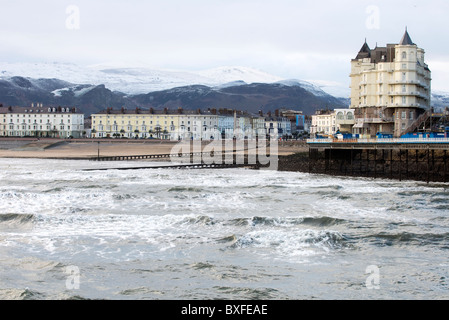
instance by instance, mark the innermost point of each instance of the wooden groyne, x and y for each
(178, 166)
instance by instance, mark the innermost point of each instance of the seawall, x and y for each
(423, 163)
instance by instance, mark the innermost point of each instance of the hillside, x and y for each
(249, 97)
(296, 95)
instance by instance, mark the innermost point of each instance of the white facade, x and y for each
(198, 127)
(328, 123)
(324, 124)
(60, 122)
(278, 127)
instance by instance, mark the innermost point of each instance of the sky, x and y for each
(292, 39)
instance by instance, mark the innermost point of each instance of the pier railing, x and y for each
(384, 140)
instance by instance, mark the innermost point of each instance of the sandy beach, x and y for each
(87, 149)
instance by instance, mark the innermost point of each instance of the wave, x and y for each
(16, 221)
(409, 238)
(245, 293)
(298, 242)
(198, 220)
(184, 189)
(16, 217)
(323, 221)
(20, 294)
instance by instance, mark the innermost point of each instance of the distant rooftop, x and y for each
(383, 54)
(38, 110)
(406, 40)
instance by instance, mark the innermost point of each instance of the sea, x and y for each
(69, 230)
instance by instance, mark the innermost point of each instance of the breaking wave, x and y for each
(292, 242)
(16, 221)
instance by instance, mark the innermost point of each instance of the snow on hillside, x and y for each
(133, 80)
(224, 75)
(316, 90)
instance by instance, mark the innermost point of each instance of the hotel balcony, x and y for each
(407, 93)
(375, 120)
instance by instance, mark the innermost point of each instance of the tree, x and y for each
(158, 132)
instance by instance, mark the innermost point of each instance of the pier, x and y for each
(401, 159)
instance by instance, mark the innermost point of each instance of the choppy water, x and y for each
(217, 234)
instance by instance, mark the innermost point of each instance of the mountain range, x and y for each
(96, 88)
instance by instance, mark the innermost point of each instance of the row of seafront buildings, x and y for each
(180, 124)
(212, 124)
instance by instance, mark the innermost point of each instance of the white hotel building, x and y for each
(40, 121)
(390, 88)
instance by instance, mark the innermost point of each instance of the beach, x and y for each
(91, 148)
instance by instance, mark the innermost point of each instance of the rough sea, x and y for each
(236, 234)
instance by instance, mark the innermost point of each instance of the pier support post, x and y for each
(406, 164)
(445, 166)
(375, 163)
(391, 163)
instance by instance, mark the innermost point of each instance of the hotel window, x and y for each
(404, 55)
(411, 115)
(404, 100)
(403, 115)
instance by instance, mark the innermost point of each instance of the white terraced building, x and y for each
(40, 121)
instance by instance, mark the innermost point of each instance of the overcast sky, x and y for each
(308, 40)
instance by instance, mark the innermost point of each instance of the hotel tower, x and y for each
(390, 88)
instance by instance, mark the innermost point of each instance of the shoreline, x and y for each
(88, 149)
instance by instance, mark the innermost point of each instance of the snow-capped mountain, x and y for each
(141, 80)
(223, 75)
(136, 80)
